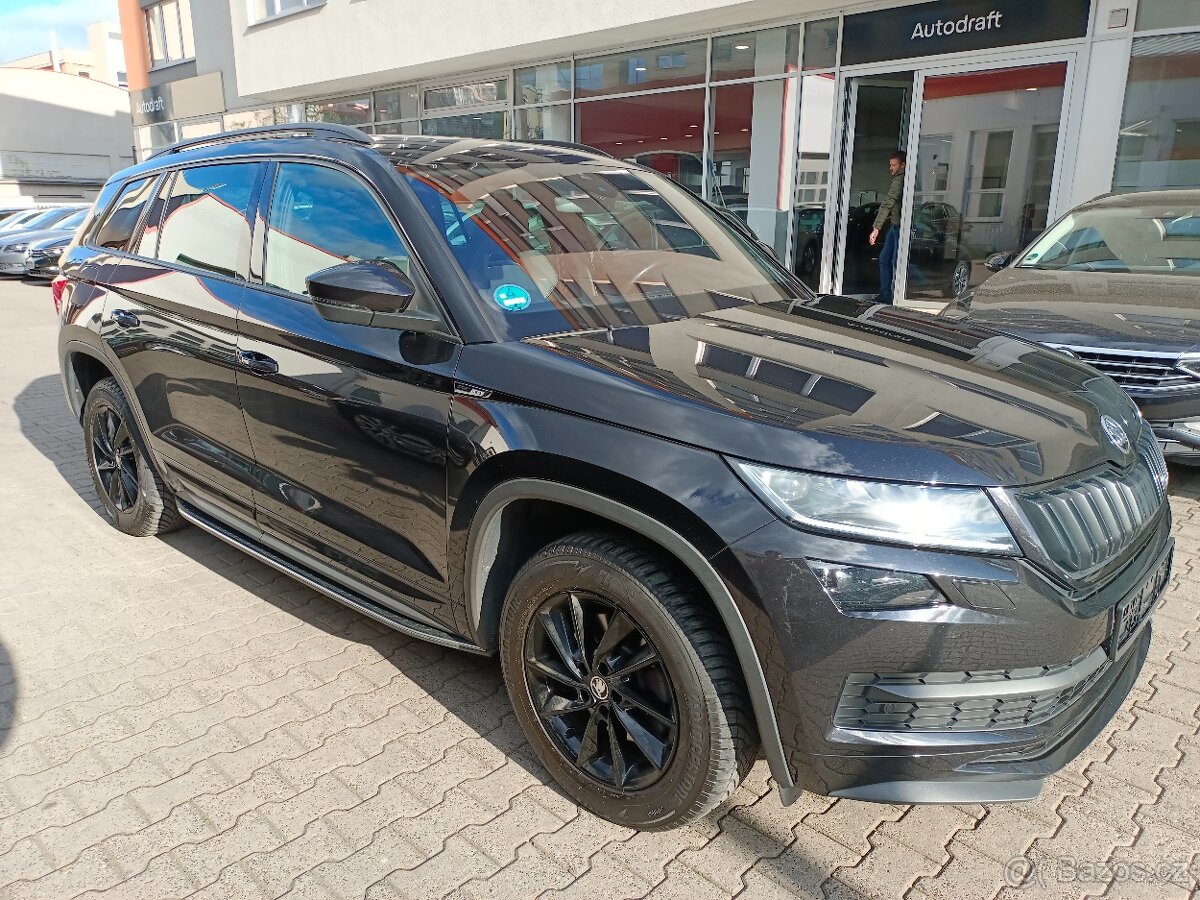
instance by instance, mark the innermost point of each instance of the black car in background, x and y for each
(1115, 283)
(528, 400)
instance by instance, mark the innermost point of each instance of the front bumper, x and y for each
(12, 262)
(42, 266)
(975, 701)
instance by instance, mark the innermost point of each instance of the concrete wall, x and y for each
(351, 44)
(62, 136)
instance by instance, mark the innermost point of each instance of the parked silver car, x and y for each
(13, 246)
(41, 259)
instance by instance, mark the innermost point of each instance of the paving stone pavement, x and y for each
(178, 720)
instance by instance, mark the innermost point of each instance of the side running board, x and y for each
(321, 584)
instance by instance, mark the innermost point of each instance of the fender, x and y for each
(75, 397)
(484, 541)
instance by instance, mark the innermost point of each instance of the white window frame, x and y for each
(185, 40)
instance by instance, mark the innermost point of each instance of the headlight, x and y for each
(952, 518)
(17, 248)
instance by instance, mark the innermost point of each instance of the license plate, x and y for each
(1134, 610)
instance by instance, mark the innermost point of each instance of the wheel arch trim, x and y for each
(75, 398)
(483, 546)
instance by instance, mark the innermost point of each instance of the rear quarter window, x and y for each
(117, 229)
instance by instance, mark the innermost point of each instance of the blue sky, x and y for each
(25, 24)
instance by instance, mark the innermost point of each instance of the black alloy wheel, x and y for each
(131, 493)
(601, 690)
(115, 460)
(624, 680)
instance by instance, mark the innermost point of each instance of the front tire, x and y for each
(131, 494)
(625, 682)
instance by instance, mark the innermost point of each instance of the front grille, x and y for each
(1135, 371)
(861, 706)
(1083, 524)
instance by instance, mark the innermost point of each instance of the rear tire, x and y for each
(625, 682)
(132, 495)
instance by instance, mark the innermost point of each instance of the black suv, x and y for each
(526, 399)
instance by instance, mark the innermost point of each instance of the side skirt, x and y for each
(249, 545)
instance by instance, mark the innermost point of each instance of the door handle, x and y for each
(125, 319)
(258, 363)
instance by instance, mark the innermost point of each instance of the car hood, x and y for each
(52, 239)
(1155, 313)
(830, 385)
(32, 237)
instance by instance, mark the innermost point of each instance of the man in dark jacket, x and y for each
(889, 216)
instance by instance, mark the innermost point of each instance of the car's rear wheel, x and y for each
(132, 495)
(625, 682)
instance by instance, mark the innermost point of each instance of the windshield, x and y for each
(22, 220)
(1147, 240)
(72, 221)
(557, 247)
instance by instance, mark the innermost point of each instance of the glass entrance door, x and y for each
(879, 108)
(985, 161)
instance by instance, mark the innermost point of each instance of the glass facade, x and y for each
(763, 124)
(670, 65)
(1159, 142)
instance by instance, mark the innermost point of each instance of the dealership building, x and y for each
(784, 113)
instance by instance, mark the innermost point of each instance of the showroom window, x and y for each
(248, 118)
(537, 123)
(548, 86)
(169, 27)
(664, 131)
(154, 137)
(1159, 142)
(477, 93)
(543, 84)
(1154, 14)
(639, 70)
(753, 128)
(340, 110)
(205, 224)
(757, 54)
(396, 104)
(493, 125)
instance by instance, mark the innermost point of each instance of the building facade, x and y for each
(784, 113)
(63, 136)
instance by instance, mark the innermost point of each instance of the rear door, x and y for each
(171, 319)
(348, 422)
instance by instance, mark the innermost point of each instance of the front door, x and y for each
(171, 318)
(348, 422)
(877, 110)
(982, 152)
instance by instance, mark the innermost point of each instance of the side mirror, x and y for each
(998, 261)
(368, 293)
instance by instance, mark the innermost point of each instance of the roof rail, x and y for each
(324, 130)
(569, 145)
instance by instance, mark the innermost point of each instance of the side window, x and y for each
(147, 242)
(116, 232)
(205, 225)
(321, 217)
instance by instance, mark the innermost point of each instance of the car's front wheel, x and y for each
(625, 682)
(134, 498)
